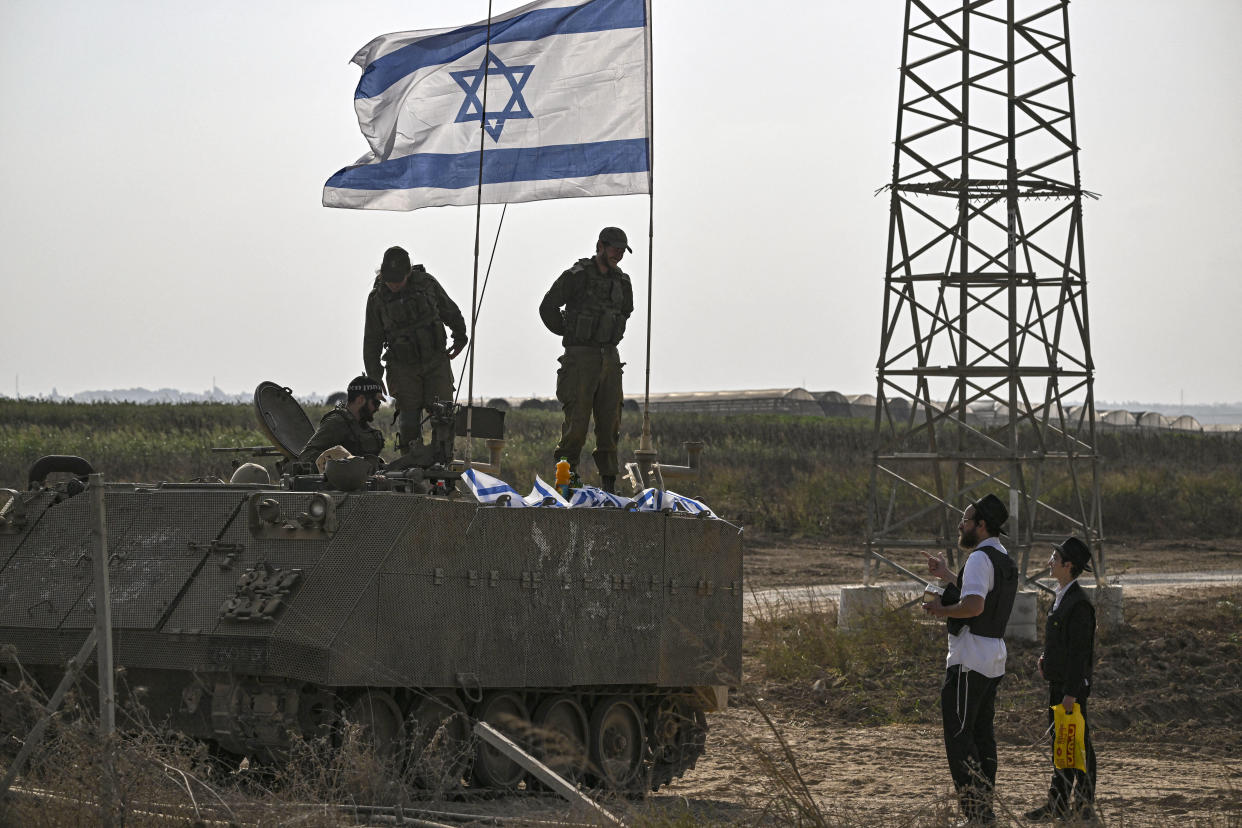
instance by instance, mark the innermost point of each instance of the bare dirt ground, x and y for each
(1166, 712)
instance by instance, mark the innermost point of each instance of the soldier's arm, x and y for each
(628, 292)
(553, 301)
(450, 314)
(331, 432)
(373, 341)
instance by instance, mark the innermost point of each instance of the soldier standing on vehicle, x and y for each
(349, 425)
(407, 312)
(588, 307)
(1066, 664)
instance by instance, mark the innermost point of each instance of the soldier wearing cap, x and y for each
(976, 604)
(588, 307)
(349, 424)
(407, 312)
(1066, 664)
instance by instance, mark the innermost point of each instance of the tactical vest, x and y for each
(411, 318)
(596, 313)
(997, 604)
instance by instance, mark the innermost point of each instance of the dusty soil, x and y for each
(1166, 712)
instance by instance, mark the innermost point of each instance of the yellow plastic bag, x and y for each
(1069, 746)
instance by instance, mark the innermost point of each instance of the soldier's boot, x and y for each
(610, 483)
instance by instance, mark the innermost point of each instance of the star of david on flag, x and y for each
(472, 107)
(567, 88)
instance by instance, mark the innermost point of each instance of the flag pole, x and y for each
(478, 219)
(644, 443)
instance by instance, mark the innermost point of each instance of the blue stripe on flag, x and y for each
(593, 16)
(461, 170)
(503, 488)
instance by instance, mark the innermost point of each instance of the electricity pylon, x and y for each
(985, 338)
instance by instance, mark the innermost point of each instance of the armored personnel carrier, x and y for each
(254, 614)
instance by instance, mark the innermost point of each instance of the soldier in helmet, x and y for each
(349, 425)
(407, 312)
(587, 307)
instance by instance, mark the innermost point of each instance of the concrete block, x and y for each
(1021, 625)
(1107, 601)
(857, 603)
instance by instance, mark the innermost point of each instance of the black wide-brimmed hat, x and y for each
(1076, 552)
(989, 508)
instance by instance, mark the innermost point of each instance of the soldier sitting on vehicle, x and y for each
(349, 425)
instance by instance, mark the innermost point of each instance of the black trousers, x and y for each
(1071, 788)
(968, 706)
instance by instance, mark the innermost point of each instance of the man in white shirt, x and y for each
(976, 604)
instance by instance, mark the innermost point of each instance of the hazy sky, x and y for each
(163, 165)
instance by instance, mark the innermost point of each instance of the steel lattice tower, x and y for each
(985, 335)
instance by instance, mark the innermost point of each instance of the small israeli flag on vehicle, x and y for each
(545, 495)
(594, 498)
(689, 504)
(492, 490)
(653, 500)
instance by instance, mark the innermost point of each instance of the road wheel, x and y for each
(380, 721)
(439, 742)
(506, 712)
(560, 736)
(618, 743)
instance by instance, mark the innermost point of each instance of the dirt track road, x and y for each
(1133, 584)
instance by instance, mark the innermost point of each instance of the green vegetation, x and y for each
(883, 672)
(798, 476)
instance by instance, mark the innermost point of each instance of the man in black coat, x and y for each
(1069, 653)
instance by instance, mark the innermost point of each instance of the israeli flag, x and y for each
(688, 504)
(654, 500)
(492, 490)
(594, 498)
(545, 495)
(567, 89)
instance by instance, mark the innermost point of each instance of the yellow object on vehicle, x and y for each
(1069, 745)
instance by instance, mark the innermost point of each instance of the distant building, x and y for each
(761, 401)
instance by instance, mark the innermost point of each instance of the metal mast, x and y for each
(985, 339)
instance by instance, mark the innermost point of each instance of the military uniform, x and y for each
(596, 308)
(339, 427)
(410, 324)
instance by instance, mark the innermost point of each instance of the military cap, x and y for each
(396, 264)
(1075, 552)
(990, 509)
(364, 385)
(614, 237)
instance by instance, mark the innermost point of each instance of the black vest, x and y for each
(997, 604)
(411, 317)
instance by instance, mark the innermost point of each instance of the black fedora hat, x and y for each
(1076, 552)
(990, 509)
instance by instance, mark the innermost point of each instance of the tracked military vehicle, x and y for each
(254, 614)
